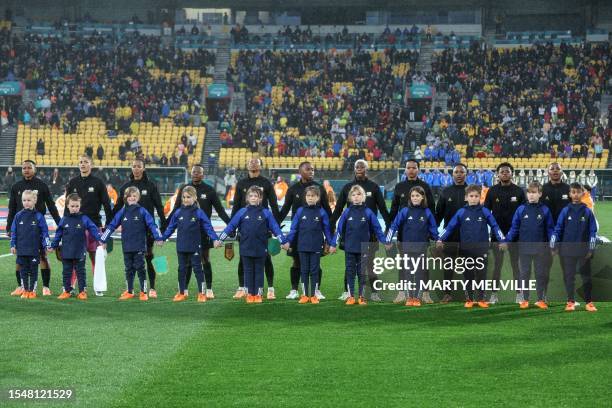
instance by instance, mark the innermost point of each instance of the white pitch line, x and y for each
(5, 255)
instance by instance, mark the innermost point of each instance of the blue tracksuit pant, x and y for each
(309, 269)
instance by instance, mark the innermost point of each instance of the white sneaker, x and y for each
(210, 294)
(426, 298)
(292, 295)
(400, 298)
(99, 293)
(576, 304)
(493, 299)
(375, 297)
(271, 295)
(319, 295)
(344, 296)
(519, 298)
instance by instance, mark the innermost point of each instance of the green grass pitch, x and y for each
(279, 353)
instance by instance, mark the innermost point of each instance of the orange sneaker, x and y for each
(202, 298)
(314, 300)
(468, 304)
(590, 307)
(143, 296)
(524, 305)
(570, 306)
(18, 291)
(257, 299)
(416, 302)
(250, 298)
(82, 296)
(409, 302)
(64, 295)
(25, 294)
(362, 301)
(179, 297)
(126, 295)
(541, 304)
(46, 291)
(350, 300)
(152, 293)
(32, 295)
(303, 299)
(240, 293)
(483, 304)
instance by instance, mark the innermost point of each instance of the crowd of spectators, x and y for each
(304, 35)
(515, 103)
(102, 76)
(326, 104)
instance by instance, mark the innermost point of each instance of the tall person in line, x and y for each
(135, 222)
(44, 201)
(356, 226)
(255, 179)
(574, 238)
(503, 199)
(150, 200)
(254, 222)
(28, 234)
(94, 197)
(473, 222)
(451, 200)
(310, 229)
(207, 199)
(556, 196)
(375, 201)
(294, 200)
(190, 221)
(402, 199)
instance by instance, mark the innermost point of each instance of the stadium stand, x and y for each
(105, 89)
(539, 102)
(328, 105)
(338, 99)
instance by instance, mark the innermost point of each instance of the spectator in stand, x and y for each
(100, 152)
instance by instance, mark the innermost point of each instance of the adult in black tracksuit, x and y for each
(268, 201)
(555, 193)
(503, 199)
(401, 192)
(451, 199)
(556, 196)
(375, 202)
(150, 200)
(401, 199)
(94, 196)
(294, 199)
(207, 200)
(44, 202)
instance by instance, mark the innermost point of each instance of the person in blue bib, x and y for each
(418, 225)
(135, 221)
(29, 233)
(254, 222)
(191, 222)
(71, 233)
(574, 238)
(310, 226)
(532, 226)
(473, 222)
(356, 226)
